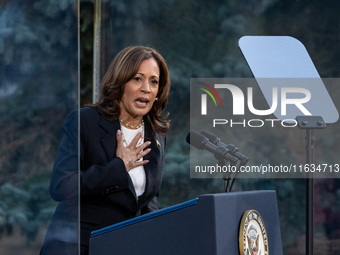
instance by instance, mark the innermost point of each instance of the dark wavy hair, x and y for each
(122, 69)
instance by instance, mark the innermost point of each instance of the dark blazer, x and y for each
(107, 194)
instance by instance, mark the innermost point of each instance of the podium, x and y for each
(205, 225)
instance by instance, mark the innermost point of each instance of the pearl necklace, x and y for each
(128, 126)
(140, 141)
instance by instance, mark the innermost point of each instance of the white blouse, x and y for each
(137, 174)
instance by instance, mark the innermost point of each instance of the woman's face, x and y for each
(140, 92)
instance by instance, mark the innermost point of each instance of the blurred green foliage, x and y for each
(39, 87)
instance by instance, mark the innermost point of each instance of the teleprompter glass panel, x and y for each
(38, 88)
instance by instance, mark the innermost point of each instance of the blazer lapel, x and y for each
(151, 167)
(109, 141)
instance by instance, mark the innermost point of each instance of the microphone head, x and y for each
(212, 138)
(196, 139)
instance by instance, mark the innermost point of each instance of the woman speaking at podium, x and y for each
(121, 152)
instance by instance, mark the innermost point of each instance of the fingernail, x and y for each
(149, 149)
(149, 142)
(119, 132)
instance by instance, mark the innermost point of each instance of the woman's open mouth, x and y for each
(142, 102)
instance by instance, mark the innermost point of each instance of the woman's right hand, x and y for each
(131, 154)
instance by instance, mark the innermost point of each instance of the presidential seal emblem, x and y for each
(253, 238)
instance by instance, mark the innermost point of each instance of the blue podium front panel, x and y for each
(207, 225)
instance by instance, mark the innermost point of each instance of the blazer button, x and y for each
(107, 191)
(117, 187)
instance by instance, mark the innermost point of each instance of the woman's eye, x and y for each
(137, 79)
(154, 82)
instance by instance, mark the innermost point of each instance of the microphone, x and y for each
(233, 150)
(202, 143)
